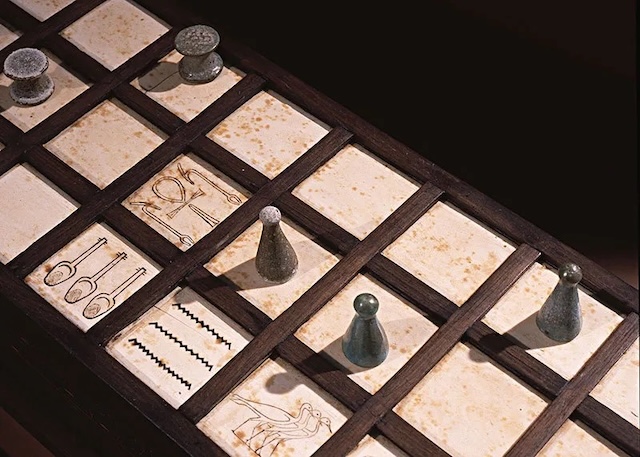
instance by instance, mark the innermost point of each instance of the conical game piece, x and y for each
(276, 260)
(365, 342)
(560, 317)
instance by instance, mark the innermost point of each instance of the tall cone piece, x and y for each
(276, 260)
(365, 342)
(560, 317)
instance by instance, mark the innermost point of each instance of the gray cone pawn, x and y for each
(31, 85)
(560, 317)
(199, 64)
(276, 260)
(365, 342)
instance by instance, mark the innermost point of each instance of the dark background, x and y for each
(532, 103)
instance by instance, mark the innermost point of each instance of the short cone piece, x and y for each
(276, 260)
(365, 343)
(560, 317)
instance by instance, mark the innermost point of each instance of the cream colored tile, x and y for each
(67, 87)
(269, 133)
(406, 329)
(264, 411)
(356, 190)
(165, 85)
(92, 275)
(7, 36)
(470, 407)
(42, 9)
(178, 345)
(619, 389)
(106, 142)
(376, 447)
(515, 314)
(30, 207)
(574, 439)
(449, 251)
(186, 200)
(237, 263)
(115, 31)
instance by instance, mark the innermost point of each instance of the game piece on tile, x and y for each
(276, 260)
(560, 317)
(365, 342)
(200, 63)
(26, 67)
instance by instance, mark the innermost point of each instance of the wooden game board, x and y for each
(152, 187)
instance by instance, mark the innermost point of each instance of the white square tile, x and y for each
(42, 9)
(7, 35)
(574, 439)
(376, 447)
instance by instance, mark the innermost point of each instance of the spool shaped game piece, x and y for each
(560, 317)
(276, 260)
(26, 67)
(199, 64)
(365, 341)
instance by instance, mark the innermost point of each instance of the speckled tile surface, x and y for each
(178, 345)
(515, 314)
(619, 389)
(106, 142)
(30, 207)
(262, 414)
(67, 87)
(470, 407)
(268, 132)
(449, 251)
(115, 31)
(406, 329)
(376, 447)
(574, 439)
(237, 263)
(186, 200)
(165, 85)
(92, 275)
(42, 9)
(7, 36)
(356, 190)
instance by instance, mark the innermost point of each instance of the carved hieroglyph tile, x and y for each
(7, 36)
(356, 190)
(106, 142)
(237, 264)
(165, 85)
(575, 439)
(449, 251)
(470, 407)
(619, 389)
(275, 412)
(178, 345)
(115, 31)
(42, 9)
(186, 200)
(515, 314)
(269, 133)
(67, 87)
(376, 447)
(30, 207)
(406, 329)
(92, 275)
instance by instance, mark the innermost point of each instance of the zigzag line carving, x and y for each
(181, 344)
(204, 325)
(159, 362)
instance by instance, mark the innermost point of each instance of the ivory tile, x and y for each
(7, 36)
(449, 251)
(574, 439)
(42, 9)
(376, 447)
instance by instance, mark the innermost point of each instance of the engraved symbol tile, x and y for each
(515, 314)
(178, 345)
(470, 407)
(406, 329)
(92, 275)
(186, 200)
(269, 133)
(276, 411)
(42, 9)
(67, 87)
(575, 439)
(356, 190)
(619, 389)
(30, 207)
(165, 85)
(115, 31)
(7, 35)
(106, 142)
(237, 264)
(449, 251)
(376, 447)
